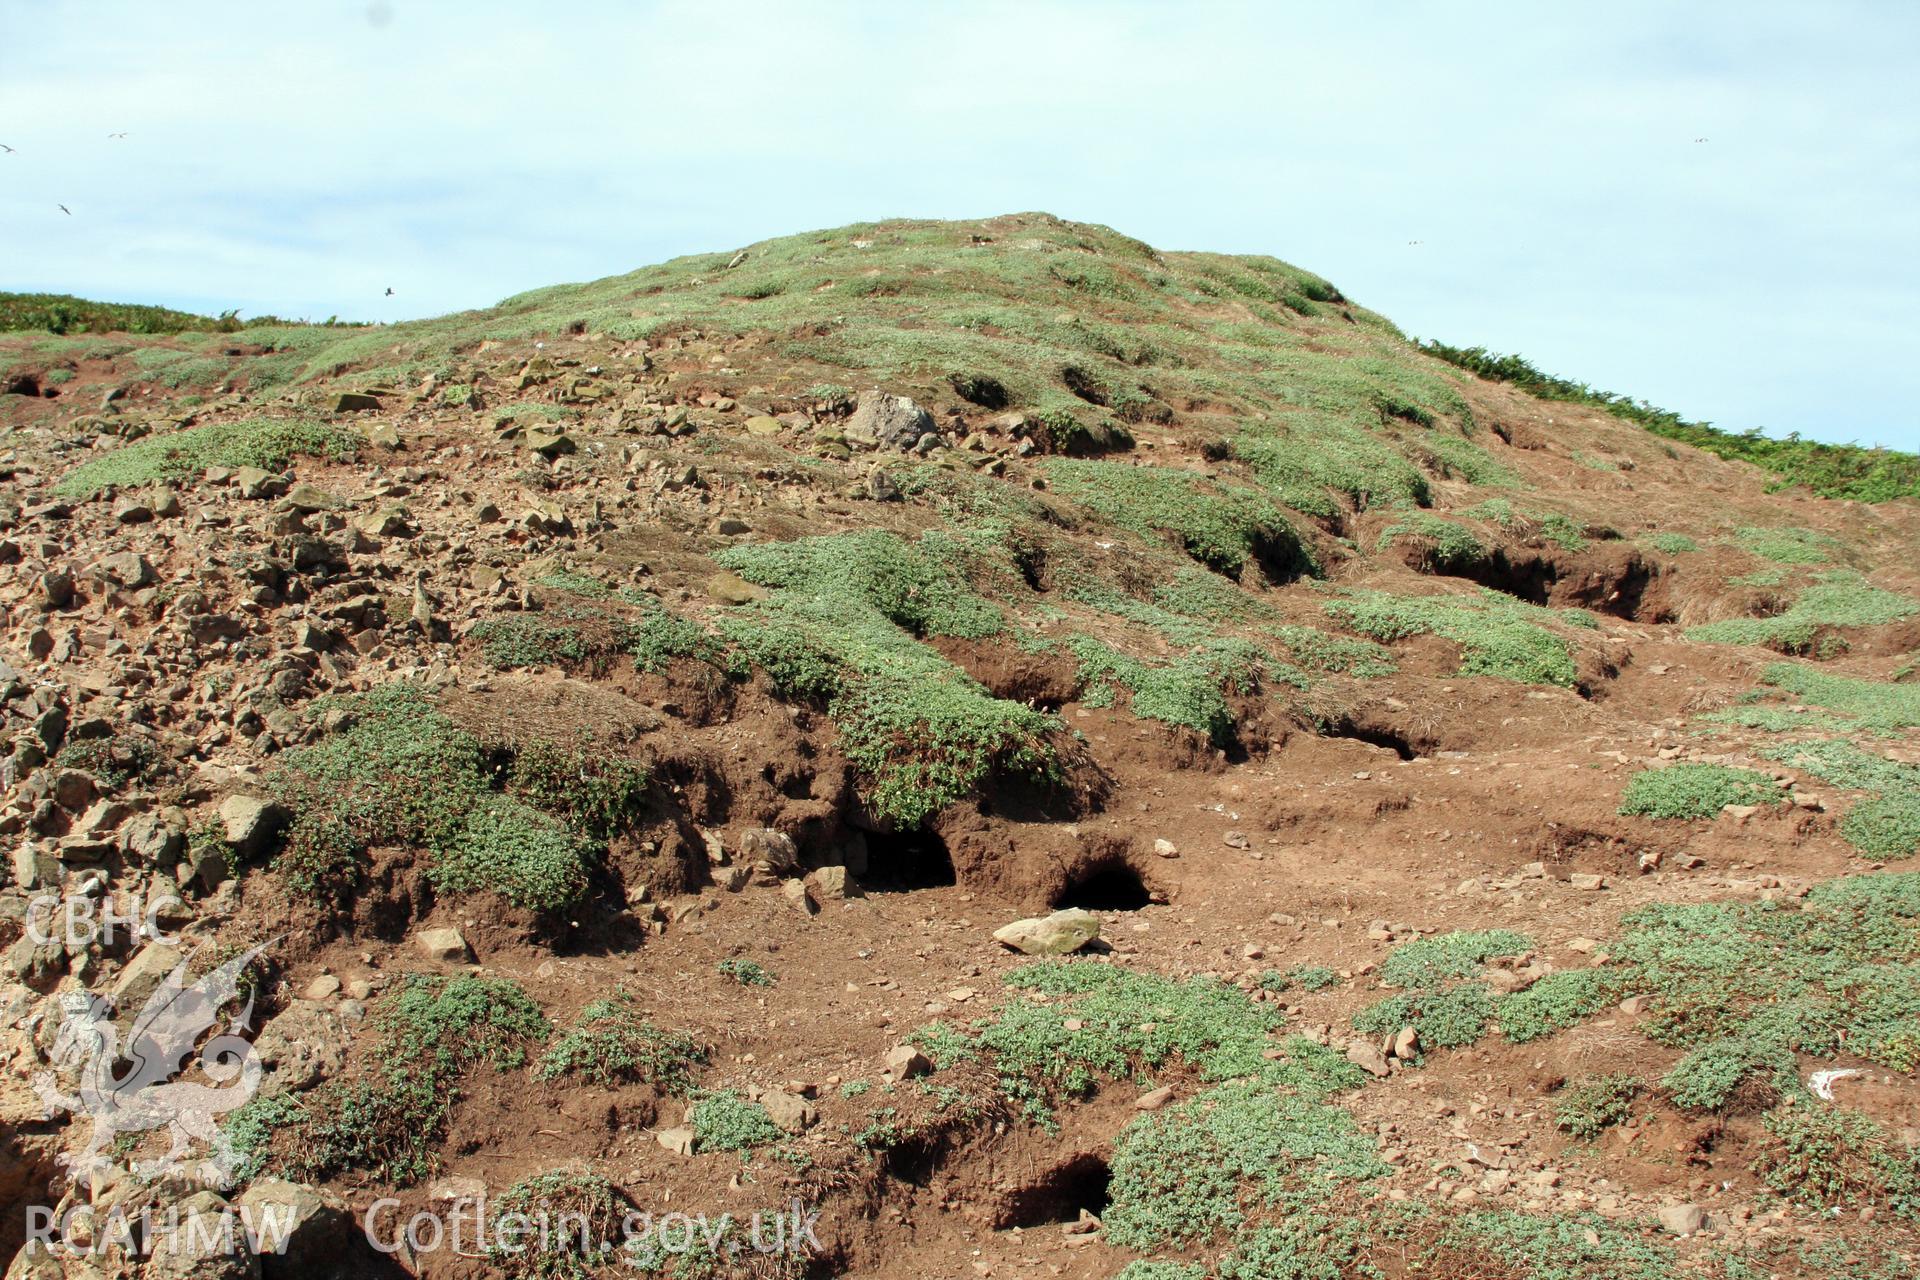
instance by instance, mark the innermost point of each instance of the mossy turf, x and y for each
(1498, 635)
(1222, 526)
(397, 771)
(182, 455)
(1838, 600)
(1695, 791)
(1884, 824)
(431, 1034)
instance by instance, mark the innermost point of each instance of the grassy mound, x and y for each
(1836, 601)
(398, 772)
(1497, 635)
(182, 455)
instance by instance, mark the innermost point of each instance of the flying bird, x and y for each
(65, 210)
(116, 135)
(4, 147)
(389, 292)
(1700, 139)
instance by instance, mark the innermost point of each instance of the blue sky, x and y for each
(303, 158)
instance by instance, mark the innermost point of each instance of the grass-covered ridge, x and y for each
(1497, 634)
(62, 313)
(1830, 470)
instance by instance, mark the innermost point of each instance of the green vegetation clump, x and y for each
(1312, 461)
(1192, 1172)
(1555, 1247)
(398, 772)
(1865, 704)
(1832, 1158)
(1886, 824)
(1830, 470)
(576, 1219)
(844, 625)
(1596, 1104)
(1743, 987)
(1129, 1024)
(1264, 1132)
(1787, 545)
(115, 760)
(574, 583)
(1443, 546)
(611, 1043)
(182, 455)
(432, 1032)
(1425, 962)
(1448, 1006)
(745, 972)
(1222, 526)
(1695, 791)
(512, 640)
(1190, 692)
(1318, 650)
(1839, 599)
(1498, 635)
(723, 1121)
(1672, 544)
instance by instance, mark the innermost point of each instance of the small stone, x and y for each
(324, 987)
(1054, 935)
(1683, 1219)
(905, 1062)
(790, 1111)
(730, 588)
(446, 946)
(1366, 1055)
(1236, 840)
(1586, 880)
(1165, 849)
(1154, 1099)
(354, 402)
(677, 1140)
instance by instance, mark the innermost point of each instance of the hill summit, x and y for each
(1459, 798)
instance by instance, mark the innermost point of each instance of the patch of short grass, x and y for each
(576, 1218)
(396, 771)
(269, 443)
(1695, 791)
(431, 1033)
(612, 1043)
(1222, 526)
(511, 640)
(1498, 635)
(1837, 601)
(1592, 1106)
(1190, 691)
(844, 626)
(1885, 824)
(1787, 545)
(724, 1121)
(1441, 546)
(1262, 1134)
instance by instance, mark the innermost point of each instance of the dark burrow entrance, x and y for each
(904, 860)
(1105, 886)
(1058, 1195)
